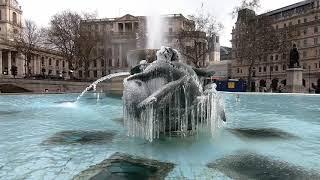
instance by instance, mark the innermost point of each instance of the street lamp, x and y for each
(309, 80)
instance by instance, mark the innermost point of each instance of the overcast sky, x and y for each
(40, 11)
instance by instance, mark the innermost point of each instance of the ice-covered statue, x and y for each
(166, 97)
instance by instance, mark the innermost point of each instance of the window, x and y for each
(316, 29)
(271, 68)
(305, 20)
(290, 23)
(315, 65)
(315, 41)
(284, 67)
(238, 70)
(277, 27)
(95, 63)
(14, 18)
(271, 57)
(80, 74)
(102, 63)
(265, 69)
(304, 54)
(316, 17)
(42, 61)
(277, 68)
(50, 62)
(57, 72)
(305, 42)
(277, 57)
(95, 74)
(0, 15)
(57, 63)
(284, 56)
(110, 62)
(285, 25)
(170, 30)
(305, 31)
(63, 64)
(50, 72)
(299, 21)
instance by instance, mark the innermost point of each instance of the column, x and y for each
(20, 63)
(113, 56)
(34, 64)
(9, 63)
(120, 56)
(37, 68)
(1, 70)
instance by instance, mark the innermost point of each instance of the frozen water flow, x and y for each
(177, 112)
(94, 84)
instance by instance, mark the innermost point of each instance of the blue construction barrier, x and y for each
(231, 85)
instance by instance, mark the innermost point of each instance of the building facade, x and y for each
(302, 21)
(123, 34)
(43, 62)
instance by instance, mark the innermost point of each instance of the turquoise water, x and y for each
(27, 122)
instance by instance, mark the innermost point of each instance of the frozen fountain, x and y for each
(168, 98)
(165, 96)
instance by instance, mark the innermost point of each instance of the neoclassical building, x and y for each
(123, 34)
(303, 21)
(43, 62)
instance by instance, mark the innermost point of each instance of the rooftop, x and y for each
(286, 8)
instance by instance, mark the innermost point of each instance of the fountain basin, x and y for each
(30, 120)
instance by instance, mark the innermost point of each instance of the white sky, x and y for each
(40, 11)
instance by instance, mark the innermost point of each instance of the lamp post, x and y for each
(309, 79)
(270, 76)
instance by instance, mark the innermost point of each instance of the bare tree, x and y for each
(286, 37)
(86, 46)
(206, 22)
(206, 29)
(246, 4)
(76, 42)
(27, 41)
(193, 45)
(256, 39)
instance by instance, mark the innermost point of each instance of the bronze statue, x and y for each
(294, 57)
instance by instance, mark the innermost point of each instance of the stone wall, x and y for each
(50, 86)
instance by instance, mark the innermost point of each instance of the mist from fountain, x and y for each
(94, 84)
(154, 30)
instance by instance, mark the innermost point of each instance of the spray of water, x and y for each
(155, 31)
(94, 84)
